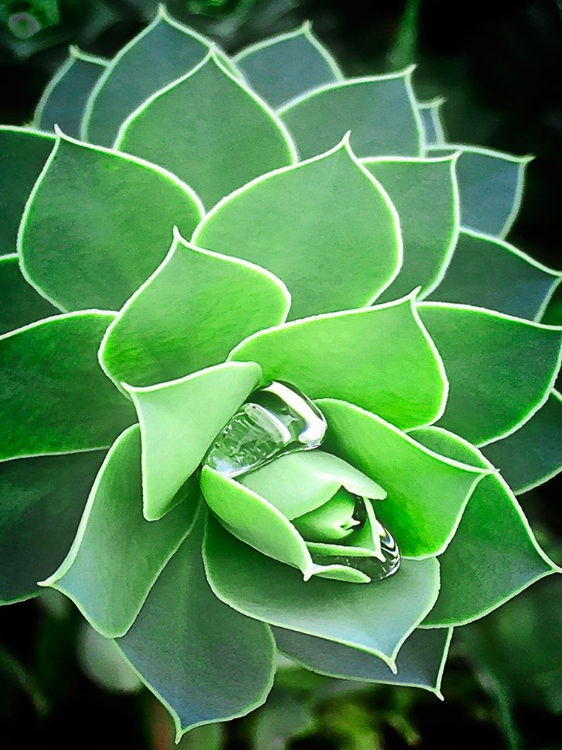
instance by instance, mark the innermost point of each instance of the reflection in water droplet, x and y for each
(277, 419)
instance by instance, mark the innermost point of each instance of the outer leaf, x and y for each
(158, 55)
(179, 420)
(432, 121)
(23, 153)
(189, 314)
(532, 454)
(325, 227)
(65, 97)
(39, 516)
(490, 273)
(301, 482)
(491, 187)
(494, 554)
(102, 662)
(375, 618)
(380, 111)
(395, 369)
(420, 662)
(20, 304)
(53, 396)
(203, 660)
(487, 353)
(113, 214)
(425, 194)
(285, 66)
(117, 555)
(412, 475)
(215, 155)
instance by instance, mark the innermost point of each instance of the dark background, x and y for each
(499, 64)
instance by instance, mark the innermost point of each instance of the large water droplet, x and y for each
(277, 419)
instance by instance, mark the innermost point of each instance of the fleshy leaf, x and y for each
(394, 368)
(39, 516)
(161, 53)
(189, 314)
(493, 555)
(490, 185)
(425, 194)
(215, 155)
(112, 213)
(486, 354)
(117, 555)
(325, 227)
(102, 661)
(283, 67)
(488, 272)
(255, 521)
(303, 481)
(202, 659)
(375, 618)
(432, 121)
(20, 304)
(427, 493)
(54, 398)
(65, 97)
(179, 420)
(420, 661)
(532, 454)
(380, 112)
(23, 153)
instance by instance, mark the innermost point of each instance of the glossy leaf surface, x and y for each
(487, 354)
(324, 227)
(189, 315)
(53, 396)
(396, 370)
(112, 214)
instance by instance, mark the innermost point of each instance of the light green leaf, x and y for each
(202, 659)
(112, 214)
(432, 121)
(427, 493)
(500, 369)
(375, 618)
(23, 153)
(189, 314)
(494, 554)
(283, 67)
(379, 358)
(380, 111)
(490, 185)
(65, 97)
(488, 272)
(179, 420)
(19, 302)
(54, 398)
(257, 522)
(161, 53)
(420, 661)
(39, 515)
(325, 227)
(117, 555)
(425, 194)
(215, 155)
(301, 482)
(532, 454)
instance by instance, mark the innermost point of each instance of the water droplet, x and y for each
(277, 419)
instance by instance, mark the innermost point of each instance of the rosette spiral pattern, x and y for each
(198, 227)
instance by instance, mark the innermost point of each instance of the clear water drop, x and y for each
(277, 419)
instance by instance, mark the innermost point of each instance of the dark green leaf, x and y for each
(20, 304)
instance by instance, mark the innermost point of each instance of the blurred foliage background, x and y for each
(499, 66)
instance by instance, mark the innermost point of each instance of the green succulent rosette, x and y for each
(197, 227)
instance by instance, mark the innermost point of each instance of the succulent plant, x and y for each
(271, 374)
